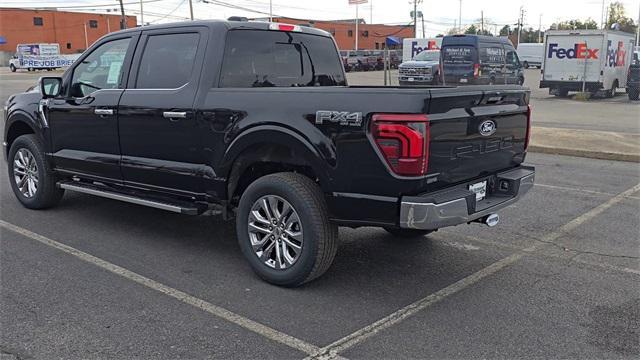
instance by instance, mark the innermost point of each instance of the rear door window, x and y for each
(258, 58)
(458, 55)
(167, 61)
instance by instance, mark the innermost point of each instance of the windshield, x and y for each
(428, 56)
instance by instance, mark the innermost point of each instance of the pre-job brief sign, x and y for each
(50, 61)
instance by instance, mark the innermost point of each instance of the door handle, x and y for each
(174, 114)
(103, 112)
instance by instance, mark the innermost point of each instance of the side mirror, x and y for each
(50, 86)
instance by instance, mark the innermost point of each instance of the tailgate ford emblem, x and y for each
(487, 128)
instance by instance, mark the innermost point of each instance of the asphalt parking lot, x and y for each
(558, 278)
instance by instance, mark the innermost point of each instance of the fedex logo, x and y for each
(415, 49)
(579, 51)
(615, 57)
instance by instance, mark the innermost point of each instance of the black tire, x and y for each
(563, 92)
(12, 68)
(407, 233)
(47, 193)
(520, 81)
(525, 65)
(320, 236)
(612, 92)
(633, 93)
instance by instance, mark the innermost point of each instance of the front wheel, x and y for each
(32, 180)
(633, 93)
(284, 230)
(525, 65)
(407, 233)
(12, 68)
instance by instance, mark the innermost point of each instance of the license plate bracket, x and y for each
(480, 189)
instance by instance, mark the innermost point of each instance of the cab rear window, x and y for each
(457, 55)
(258, 58)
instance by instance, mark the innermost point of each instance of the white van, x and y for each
(530, 54)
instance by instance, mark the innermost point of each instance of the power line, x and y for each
(80, 6)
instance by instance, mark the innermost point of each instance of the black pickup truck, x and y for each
(255, 122)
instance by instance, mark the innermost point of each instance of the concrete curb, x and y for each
(584, 153)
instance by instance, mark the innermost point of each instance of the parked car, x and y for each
(255, 122)
(424, 69)
(633, 81)
(597, 60)
(478, 59)
(530, 54)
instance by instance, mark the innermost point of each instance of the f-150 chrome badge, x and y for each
(339, 117)
(487, 128)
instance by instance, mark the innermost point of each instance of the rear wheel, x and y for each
(612, 91)
(525, 65)
(407, 233)
(284, 230)
(633, 93)
(563, 92)
(32, 181)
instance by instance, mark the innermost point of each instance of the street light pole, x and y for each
(141, 14)
(460, 17)
(190, 9)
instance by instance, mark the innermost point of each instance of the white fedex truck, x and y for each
(593, 60)
(414, 46)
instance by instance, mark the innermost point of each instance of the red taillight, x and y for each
(528, 137)
(476, 70)
(403, 140)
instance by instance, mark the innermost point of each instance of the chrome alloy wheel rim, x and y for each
(275, 232)
(25, 173)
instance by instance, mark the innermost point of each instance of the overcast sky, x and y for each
(439, 14)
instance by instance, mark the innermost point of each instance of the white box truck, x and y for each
(414, 46)
(40, 57)
(589, 60)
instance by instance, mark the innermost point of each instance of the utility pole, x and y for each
(520, 21)
(270, 10)
(141, 14)
(190, 9)
(123, 19)
(460, 17)
(422, 17)
(370, 11)
(602, 19)
(357, 32)
(540, 29)
(415, 18)
(482, 22)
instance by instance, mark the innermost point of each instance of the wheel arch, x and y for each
(18, 125)
(269, 149)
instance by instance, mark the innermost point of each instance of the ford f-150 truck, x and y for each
(255, 122)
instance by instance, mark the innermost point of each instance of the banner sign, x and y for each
(51, 61)
(357, 2)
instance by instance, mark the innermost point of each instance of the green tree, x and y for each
(472, 29)
(505, 31)
(617, 14)
(575, 24)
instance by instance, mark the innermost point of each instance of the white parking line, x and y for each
(332, 350)
(218, 311)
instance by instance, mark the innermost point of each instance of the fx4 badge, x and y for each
(339, 117)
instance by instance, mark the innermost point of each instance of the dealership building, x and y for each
(73, 31)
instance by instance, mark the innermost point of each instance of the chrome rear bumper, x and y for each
(458, 205)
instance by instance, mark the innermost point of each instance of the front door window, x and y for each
(102, 69)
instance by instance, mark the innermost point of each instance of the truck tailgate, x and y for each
(475, 133)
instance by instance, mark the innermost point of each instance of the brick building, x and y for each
(372, 36)
(19, 26)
